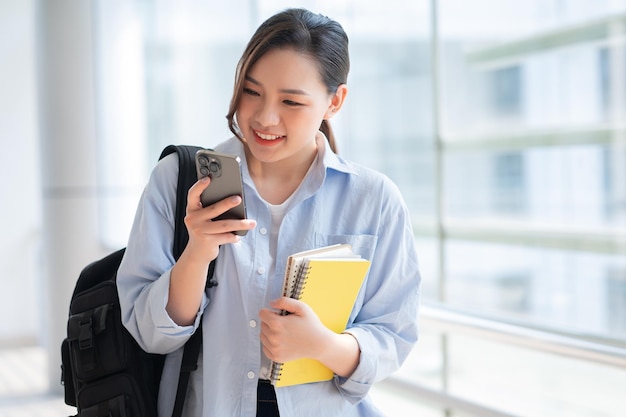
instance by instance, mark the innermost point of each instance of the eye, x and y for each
(292, 103)
(250, 92)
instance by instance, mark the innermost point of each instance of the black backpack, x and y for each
(104, 371)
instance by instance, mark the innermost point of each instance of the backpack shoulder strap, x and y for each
(186, 178)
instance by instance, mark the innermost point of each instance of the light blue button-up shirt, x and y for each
(338, 202)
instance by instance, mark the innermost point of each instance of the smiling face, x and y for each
(282, 106)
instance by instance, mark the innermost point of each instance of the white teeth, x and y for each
(267, 137)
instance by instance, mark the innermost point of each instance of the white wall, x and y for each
(20, 185)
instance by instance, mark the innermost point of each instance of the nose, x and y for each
(267, 115)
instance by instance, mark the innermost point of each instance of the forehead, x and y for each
(286, 69)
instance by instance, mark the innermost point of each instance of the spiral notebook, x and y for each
(328, 280)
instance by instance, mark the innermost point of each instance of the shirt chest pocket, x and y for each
(363, 245)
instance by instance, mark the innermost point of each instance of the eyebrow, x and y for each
(283, 90)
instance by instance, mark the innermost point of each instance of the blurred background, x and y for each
(503, 123)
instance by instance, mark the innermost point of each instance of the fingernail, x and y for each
(235, 199)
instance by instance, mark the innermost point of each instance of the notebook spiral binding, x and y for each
(275, 372)
(299, 284)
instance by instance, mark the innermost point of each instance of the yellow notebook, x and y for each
(328, 280)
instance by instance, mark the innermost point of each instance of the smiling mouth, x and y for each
(267, 137)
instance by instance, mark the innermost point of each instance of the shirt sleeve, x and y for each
(386, 325)
(143, 277)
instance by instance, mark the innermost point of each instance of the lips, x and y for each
(265, 136)
(266, 139)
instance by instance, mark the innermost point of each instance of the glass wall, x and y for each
(533, 188)
(503, 123)
(533, 105)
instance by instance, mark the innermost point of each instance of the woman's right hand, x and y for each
(205, 234)
(188, 277)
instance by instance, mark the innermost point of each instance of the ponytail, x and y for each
(328, 132)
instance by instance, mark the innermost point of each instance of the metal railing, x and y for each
(447, 321)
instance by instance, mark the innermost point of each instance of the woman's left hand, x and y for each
(301, 334)
(296, 335)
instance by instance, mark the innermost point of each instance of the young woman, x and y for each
(299, 195)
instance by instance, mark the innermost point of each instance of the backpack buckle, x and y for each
(85, 335)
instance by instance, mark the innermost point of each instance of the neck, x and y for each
(276, 181)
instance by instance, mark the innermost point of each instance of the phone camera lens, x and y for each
(209, 166)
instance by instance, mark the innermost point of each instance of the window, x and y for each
(503, 124)
(532, 221)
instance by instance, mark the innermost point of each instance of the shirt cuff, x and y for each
(357, 385)
(159, 295)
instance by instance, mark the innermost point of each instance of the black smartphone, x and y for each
(225, 173)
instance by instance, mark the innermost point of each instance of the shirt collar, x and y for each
(329, 159)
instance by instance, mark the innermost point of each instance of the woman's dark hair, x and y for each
(315, 35)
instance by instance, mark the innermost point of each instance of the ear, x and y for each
(336, 101)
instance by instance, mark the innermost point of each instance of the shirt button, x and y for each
(263, 230)
(252, 323)
(261, 270)
(251, 375)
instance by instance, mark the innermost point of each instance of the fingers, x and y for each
(200, 219)
(194, 202)
(270, 334)
(206, 235)
(200, 225)
(291, 305)
(193, 195)
(203, 227)
(287, 337)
